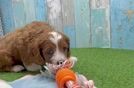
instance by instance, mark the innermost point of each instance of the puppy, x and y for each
(33, 46)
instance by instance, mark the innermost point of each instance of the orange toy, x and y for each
(66, 78)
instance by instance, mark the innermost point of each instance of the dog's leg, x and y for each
(7, 63)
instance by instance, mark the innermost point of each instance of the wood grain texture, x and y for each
(7, 15)
(55, 14)
(82, 23)
(19, 17)
(1, 30)
(122, 24)
(41, 10)
(70, 32)
(99, 4)
(100, 26)
(88, 23)
(68, 20)
(29, 8)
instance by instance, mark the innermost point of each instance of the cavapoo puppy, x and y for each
(31, 46)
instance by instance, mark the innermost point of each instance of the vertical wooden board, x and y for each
(70, 32)
(67, 12)
(55, 14)
(100, 23)
(68, 20)
(29, 8)
(82, 23)
(41, 10)
(122, 24)
(7, 15)
(18, 13)
(1, 30)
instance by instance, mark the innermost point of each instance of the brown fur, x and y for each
(22, 47)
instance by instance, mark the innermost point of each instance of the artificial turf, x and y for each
(109, 68)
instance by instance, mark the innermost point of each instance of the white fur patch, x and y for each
(17, 68)
(55, 37)
(33, 67)
(58, 55)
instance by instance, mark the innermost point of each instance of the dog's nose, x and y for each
(60, 62)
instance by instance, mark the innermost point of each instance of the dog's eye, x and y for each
(65, 49)
(50, 52)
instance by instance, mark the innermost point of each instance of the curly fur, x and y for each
(23, 46)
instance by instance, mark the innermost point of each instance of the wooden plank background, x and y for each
(122, 24)
(100, 26)
(1, 30)
(88, 23)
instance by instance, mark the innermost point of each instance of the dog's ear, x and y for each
(33, 54)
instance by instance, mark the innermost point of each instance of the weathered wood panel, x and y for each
(18, 13)
(86, 22)
(41, 10)
(1, 30)
(122, 24)
(29, 8)
(82, 23)
(70, 32)
(55, 14)
(100, 27)
(7, 15)
(68, 20)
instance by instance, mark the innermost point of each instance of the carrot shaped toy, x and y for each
(66, 78)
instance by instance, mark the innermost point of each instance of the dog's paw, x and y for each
(17, 68)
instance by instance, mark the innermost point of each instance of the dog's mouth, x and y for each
(52, 68)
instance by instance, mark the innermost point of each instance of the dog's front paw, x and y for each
(17, 68)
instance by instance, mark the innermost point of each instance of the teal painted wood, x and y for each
(1, 30)
(7, 15)
(41, 10)
(122, 24)
(18, 13)
(68, 21)
(29, 8)
(82, 23)
(70, 32)
(100, 27)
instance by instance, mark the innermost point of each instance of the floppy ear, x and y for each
(37, 54)
(31, 54)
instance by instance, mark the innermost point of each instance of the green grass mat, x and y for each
(109, 68)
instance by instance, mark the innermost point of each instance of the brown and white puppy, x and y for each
(31, 47)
